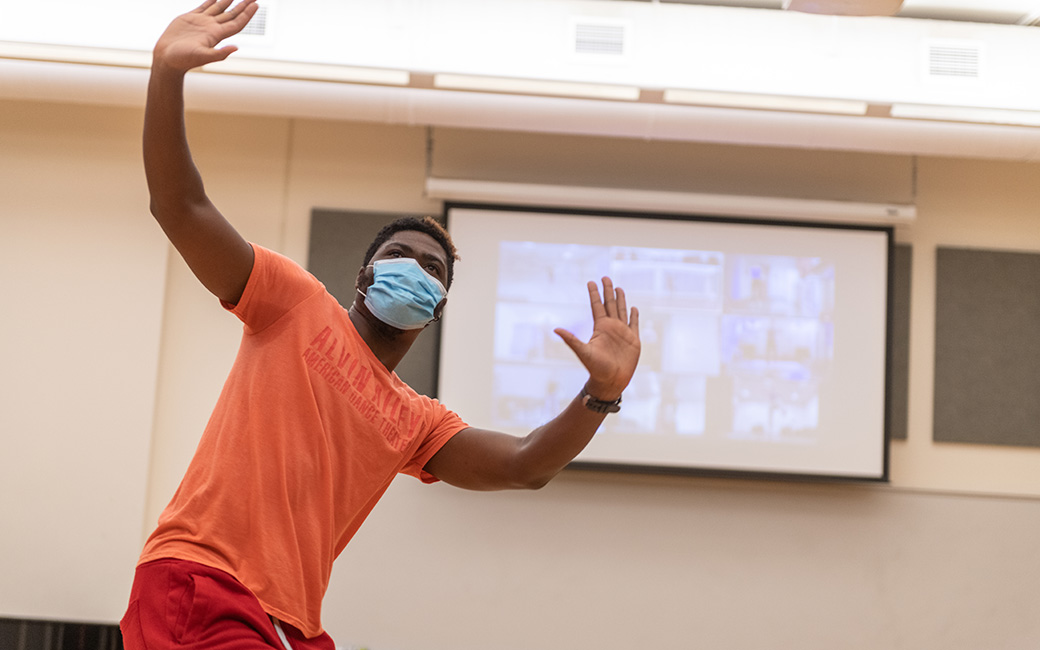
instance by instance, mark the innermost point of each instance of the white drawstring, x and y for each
(281, 633)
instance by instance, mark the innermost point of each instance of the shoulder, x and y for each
(269, 258)
(276, 284)
(271, 266)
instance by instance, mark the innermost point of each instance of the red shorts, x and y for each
(176, 604)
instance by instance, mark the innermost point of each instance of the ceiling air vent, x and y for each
(597, 39)
(949, 61)
(258, 23)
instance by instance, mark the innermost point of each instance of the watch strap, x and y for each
(599, 405)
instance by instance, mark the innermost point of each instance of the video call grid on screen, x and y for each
(763, 344)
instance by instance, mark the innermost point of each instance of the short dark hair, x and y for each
(427, 225)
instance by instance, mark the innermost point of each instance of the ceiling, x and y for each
(1006, 12)
(942, 77)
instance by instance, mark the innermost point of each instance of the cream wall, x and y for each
(963, 203)
(82, 279)
(941, 558)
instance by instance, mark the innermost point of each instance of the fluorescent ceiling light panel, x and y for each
(309, 71)
(234, 65)
(966, 114)
(845, 7)
(766, 102)
(70, 54)
(535, 87)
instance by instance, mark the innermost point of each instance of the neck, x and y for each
(389, 344)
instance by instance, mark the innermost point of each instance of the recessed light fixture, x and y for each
(535, 87)
(966, 114)
(765, 102)
(309, 71)
(71, 54)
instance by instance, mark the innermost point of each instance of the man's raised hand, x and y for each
(191, 39)
(612, 352)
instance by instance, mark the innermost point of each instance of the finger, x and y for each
(597, 305)
(633, 321)
(239, 22)
(204, 6)
(572, 341)
(609, 301)
(216, 8)
(241, 12)
(622, 305)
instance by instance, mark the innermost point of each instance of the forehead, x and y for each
(419, 243)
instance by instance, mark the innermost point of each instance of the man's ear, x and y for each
(359, 281)
(439, 309)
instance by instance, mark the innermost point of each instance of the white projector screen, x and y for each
(764, 345)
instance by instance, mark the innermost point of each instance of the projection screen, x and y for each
(764, 344)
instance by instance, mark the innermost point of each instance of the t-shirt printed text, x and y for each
(383, 408)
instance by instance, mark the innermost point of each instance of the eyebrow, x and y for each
(426, 256)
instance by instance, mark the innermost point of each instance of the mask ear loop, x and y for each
(358, 289)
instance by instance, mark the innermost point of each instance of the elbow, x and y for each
(535, 480)
(538, 484)
(526, 475)
(532, 468)
(163, 211)
(168, 206)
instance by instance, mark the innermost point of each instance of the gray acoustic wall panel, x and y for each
(899, 366)
(338, 243)
(987, 348)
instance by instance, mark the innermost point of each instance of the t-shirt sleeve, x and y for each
(276, 285)
(446, 423)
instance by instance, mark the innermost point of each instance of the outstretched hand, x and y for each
(612, 352)
(191, 39)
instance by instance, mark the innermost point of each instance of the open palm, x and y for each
(191, 40)
(612, 352)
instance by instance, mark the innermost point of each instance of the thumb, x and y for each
(572, 341)
(221, 53)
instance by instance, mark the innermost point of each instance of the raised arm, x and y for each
(218, 256)
(478, 459)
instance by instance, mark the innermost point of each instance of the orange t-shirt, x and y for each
(309, 431)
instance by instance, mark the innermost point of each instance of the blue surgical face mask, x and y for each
(403, 294)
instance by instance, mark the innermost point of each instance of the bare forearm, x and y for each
(552, 446)
(189, 42)
(478, 459)
(174, 182)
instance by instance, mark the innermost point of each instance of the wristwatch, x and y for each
(598, 405)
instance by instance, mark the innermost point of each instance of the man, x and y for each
(312, 423)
